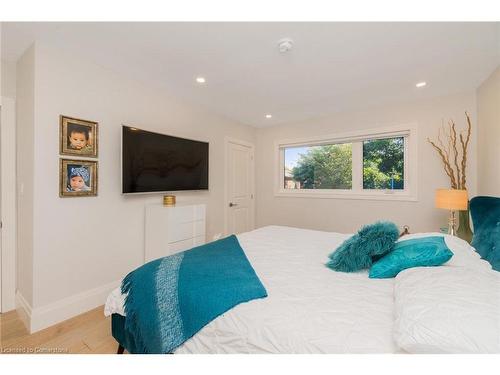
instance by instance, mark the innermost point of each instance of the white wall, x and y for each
(82, 244)
(8, 74)
(1, 63)
(8, 203)
(348, 215)
(8, 181)
(25, 116)
(488, 118)
(8, 185)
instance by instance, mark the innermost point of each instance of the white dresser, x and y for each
(169, 230)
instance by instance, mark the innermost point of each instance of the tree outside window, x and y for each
(383, 164)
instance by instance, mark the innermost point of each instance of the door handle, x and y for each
(231, 204)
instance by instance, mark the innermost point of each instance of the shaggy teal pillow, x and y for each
(356, 253)
(418, 252)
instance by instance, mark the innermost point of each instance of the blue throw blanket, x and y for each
(172, 298)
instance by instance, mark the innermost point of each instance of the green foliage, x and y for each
(383, 163)
(325, 167)
(330, 166)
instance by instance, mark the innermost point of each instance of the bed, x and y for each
(312, 309)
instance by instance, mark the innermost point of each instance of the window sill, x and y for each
(378, 196)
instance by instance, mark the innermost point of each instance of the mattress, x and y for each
(309, 308)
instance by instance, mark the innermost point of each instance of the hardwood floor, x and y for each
(89, 333)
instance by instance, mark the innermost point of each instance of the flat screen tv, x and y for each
(153, 162)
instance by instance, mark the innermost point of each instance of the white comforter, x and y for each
(440, 310)
(449, 309)
(309, 308)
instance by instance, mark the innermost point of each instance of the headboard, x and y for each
(485, 212)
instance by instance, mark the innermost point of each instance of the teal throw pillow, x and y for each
(417, 252)
(358, 251)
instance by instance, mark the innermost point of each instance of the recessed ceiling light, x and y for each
(421, 84)
(200, 79)
(269, 116)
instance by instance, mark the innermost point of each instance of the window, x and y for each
(318, 167)
(370, 165)
(383, 163)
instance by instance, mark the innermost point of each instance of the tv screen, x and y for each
(153, 162)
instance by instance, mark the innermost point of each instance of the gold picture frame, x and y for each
(77, 178)
(78, 137)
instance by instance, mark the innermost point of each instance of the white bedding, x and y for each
(447, 310)
(309, 308)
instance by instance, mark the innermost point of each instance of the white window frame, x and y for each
(409, 193)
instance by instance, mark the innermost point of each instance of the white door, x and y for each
(239, 187)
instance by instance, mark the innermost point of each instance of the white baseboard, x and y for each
(24, 310)
(48, 315)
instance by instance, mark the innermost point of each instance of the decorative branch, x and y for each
(447, 167)
(453, 136)
(446, 150)
(465, 144)
(456, 171)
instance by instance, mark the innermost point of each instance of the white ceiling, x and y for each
(332, 67)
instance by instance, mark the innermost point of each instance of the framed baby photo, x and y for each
(77, 178)
(78, 137)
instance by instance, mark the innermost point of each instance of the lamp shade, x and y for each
(451, 199)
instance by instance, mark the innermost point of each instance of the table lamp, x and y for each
(452, 200)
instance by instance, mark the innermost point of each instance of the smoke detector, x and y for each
(285, 45)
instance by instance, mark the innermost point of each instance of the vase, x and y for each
(464, 232)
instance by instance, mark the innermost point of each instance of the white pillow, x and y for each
(447, 310)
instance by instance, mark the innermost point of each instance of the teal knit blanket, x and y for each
(172, 298)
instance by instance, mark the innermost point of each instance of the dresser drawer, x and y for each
(184, 231)
(172, 229)
(200, 240)
(186, 214)
(185, 244)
